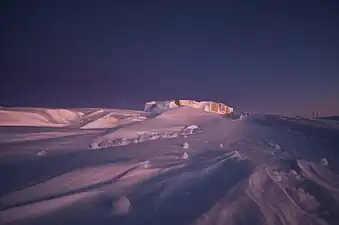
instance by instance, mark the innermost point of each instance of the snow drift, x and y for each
(68, 118)
(170, 124)
(141, 136)
(38, 117)
(180, 166)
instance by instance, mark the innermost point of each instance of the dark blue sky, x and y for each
(278, 57)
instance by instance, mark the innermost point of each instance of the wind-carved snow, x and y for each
(38, 117)
(202, 169)
(142, 136)
(68, 118)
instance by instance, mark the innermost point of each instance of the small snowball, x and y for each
(276, 146)
(147, 164)
(324, 161)
(94, 145)
(41, 153)
(122, 205)
(186, 145)
(185, 155)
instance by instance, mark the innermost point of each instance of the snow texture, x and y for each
(179, 166)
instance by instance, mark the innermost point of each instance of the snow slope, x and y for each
(67, 118)
(184, 166)
(38, 117)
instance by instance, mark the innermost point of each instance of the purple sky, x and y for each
(279, 57)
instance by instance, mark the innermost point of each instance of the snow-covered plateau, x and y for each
(182, 166)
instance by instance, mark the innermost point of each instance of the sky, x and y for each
(258, 56)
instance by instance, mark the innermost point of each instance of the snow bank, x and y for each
(62, 116)
(38, 117)
(170, 124)
(17, 118)
(36, 136)
(111, 120)
(141, 136)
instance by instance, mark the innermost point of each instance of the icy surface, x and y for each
(183, 166)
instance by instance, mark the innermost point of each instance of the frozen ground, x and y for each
(105, 166)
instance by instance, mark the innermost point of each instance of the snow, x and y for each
(125, 138)
(41, 117)
(68, 118)
(181, 166)
(170, 124)
(103, 122)
(62, 115)
(157, 107)
(185, 155)
(122, 205)
(186, 145)
(40, 208)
